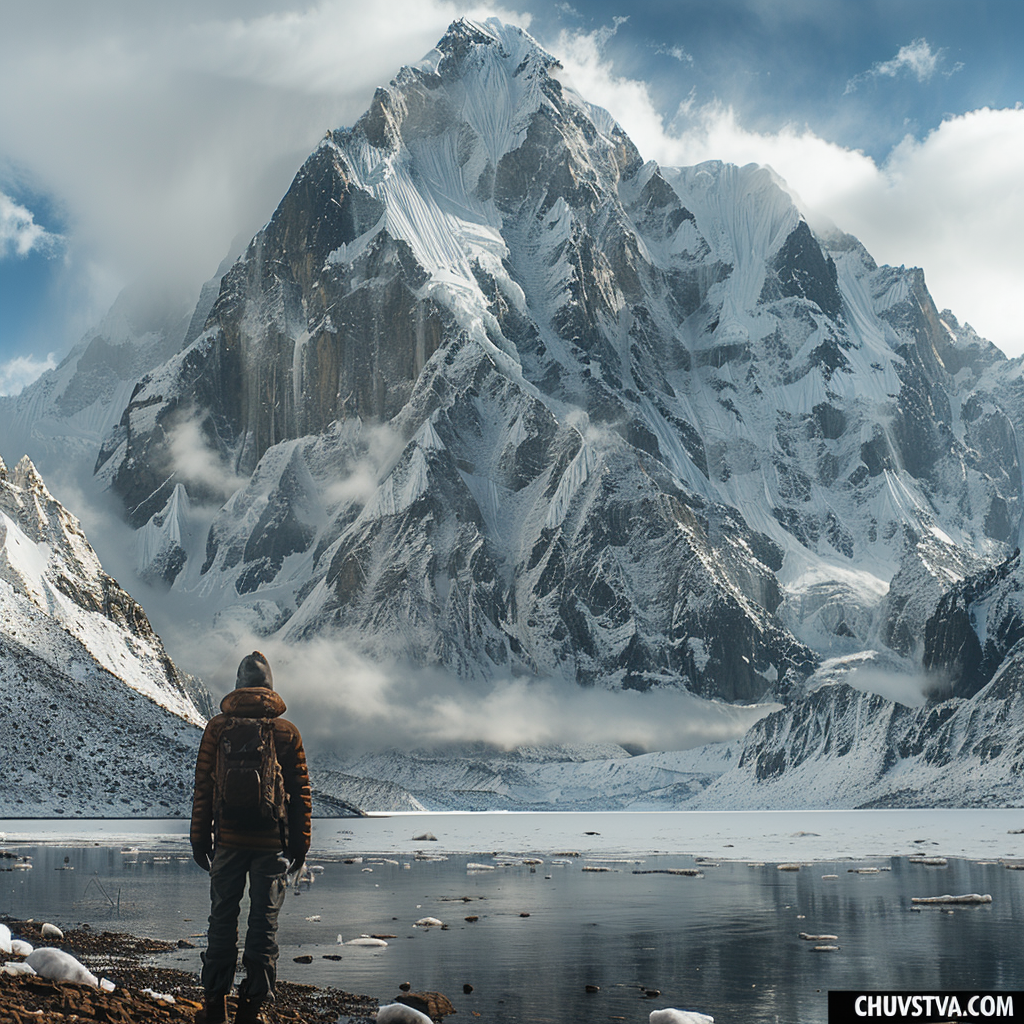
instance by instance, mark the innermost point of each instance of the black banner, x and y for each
(967, 1007)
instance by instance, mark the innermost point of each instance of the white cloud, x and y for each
(18, 372)
(342, 700)
(19, 232)
(916, 58)
(950, 203)
(164, 130)
(676, 53)
(199, 464)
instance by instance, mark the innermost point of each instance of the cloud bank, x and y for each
(347, 703)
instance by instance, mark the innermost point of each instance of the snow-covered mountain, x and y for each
(64, 415)
(96, 719)
(840, 747)
(491, 393)
(645, 427)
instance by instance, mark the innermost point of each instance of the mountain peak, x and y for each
(26, 476)
(466, 38)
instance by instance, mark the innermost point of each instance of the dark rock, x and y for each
(435, 1005)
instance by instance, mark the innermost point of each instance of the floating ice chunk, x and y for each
(57, 965)
(21, 947)
(5, 939)
(107, 985)
(672, 1016)
(429, 922)
(818, 938)
(398, 1013)
(971, 897)
(363, 940)
(315, 917)
(51, 931)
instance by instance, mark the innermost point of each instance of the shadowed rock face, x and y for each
(801, 270)
(976, 628)
(615, 402)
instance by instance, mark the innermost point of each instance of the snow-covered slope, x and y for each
(840, 748)
(96, 720)
(549, 778)
(975, 630)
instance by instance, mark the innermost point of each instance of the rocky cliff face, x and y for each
(975, 629)
(839, 747)
(491, 392)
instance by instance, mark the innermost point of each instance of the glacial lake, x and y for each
(605, 908)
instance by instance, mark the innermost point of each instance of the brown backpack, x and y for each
(249, 786)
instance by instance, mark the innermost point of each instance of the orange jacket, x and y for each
(253, 702)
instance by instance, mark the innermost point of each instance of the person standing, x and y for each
(251, 812)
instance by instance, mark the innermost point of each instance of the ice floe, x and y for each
(971, 897)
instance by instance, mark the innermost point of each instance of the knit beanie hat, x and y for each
(254, 670)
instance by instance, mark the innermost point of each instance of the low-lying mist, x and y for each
(345, 702)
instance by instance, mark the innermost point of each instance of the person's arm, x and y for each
(201, 832)
(300, 802)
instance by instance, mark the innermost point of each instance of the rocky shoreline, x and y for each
(144, 993)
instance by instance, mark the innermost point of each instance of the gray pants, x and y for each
(267, 885)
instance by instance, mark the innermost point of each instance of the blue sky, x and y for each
(140, 139)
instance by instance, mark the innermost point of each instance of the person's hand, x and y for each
(202, 858)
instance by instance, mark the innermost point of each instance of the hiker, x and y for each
(250, 819)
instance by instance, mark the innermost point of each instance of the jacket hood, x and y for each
(253, 702)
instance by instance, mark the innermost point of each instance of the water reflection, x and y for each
(726, 944)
